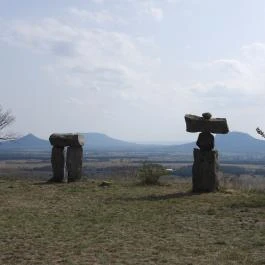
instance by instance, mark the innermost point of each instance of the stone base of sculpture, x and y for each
(204, 171)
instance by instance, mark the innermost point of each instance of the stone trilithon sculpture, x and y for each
(205, 166)
(66, 163)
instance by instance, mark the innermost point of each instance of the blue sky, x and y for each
(132, 68)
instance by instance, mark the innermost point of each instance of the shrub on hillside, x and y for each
(150, 173)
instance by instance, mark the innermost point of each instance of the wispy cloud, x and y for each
(100, 17)
(157, 13)
(75, 101)
(151, 9)
(254, 52)
(87, 58)
(238, 76)
(98, 1)
(102, 60)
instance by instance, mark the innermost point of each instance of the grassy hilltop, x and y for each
(82, 223)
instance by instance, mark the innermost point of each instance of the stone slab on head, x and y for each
(66, 139)
(206, 124)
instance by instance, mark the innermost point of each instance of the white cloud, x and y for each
(44, 36)
(254, 49)
(75, 101)
(110, 71)
(231, 66)
(90, 59)
(241, 76)
(100, 17)
(105, 61)
(174, 1)
(98, 1)
(157, 13)
(149, 8)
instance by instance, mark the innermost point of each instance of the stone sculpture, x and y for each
(205, 166)
(66, 163)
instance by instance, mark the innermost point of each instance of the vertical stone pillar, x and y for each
(58, 164)
(204, 171)
(74, 161)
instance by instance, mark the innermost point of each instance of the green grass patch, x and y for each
(82, 223)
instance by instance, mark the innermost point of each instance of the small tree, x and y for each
(259, 131)
(6, 118)
(150, 173)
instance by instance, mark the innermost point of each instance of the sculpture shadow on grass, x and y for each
(163, 197)
(47, 182)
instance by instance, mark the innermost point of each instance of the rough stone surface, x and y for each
(58, 164)
(205, 171)
(205, 141)
(199, 124)
(67, 139)
(74, 161)
(207, 115)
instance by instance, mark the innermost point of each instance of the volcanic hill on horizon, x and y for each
(233, 142)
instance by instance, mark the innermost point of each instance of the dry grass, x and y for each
(82, 223)
(243, 182)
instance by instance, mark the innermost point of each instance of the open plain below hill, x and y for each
(83, 223)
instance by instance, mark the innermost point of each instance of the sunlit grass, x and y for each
(82, 223)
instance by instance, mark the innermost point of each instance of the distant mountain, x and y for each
(93, 141)
(233, 142)
(28, 142)
(102, 141)
(238, 142)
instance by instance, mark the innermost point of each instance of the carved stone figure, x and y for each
(205, 166)
(205, 141)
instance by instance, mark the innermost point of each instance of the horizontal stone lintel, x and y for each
(67, 139)
(199, 124)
